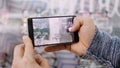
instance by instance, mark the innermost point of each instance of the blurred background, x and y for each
(13, 25)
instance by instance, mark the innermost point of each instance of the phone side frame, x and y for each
(30, 30)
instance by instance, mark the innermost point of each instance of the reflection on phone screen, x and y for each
(52, 30)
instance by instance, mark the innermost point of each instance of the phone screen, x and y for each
(52, 30)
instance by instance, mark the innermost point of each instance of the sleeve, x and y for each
(105, 49)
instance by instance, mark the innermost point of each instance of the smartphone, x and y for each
(51, 30)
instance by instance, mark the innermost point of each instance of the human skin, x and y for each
(24, 53)
(24, 56)
(86, 30)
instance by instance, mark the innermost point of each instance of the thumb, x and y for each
(57, 48)
(78, 21)
(41, 61)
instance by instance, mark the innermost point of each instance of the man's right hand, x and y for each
(86, 30)
(24, 56)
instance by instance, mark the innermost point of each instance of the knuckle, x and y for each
(14, 65)
(18, 46)
(89, 19)
(25, 61)
(83, 20)
(28, 60)
(77, 18)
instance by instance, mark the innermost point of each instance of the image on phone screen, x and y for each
(52, 30)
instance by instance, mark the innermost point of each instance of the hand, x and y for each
(24, 56)
(86, 30)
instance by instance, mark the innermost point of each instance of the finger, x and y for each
(57, 48)
(19, 51)
(41, 61)
(29, 51)
(78, 21)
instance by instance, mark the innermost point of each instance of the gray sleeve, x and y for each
(105, 49)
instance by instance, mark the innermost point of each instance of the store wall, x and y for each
(13, 25)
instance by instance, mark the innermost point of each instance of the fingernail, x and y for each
(70, 29)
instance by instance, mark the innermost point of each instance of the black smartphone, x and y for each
(51, 30)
